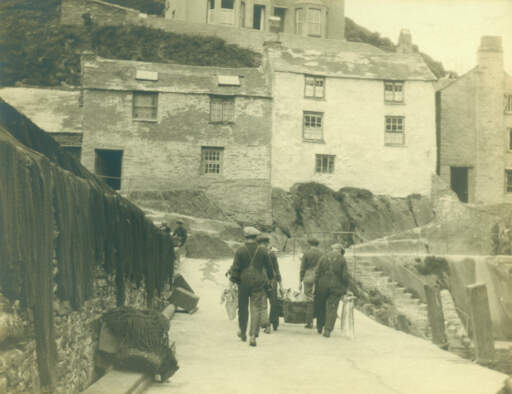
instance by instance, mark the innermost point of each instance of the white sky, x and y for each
(447, 30)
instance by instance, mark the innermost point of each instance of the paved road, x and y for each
(296, 360)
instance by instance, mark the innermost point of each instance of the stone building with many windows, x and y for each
(157, 127)
(475, 129)
(359, 119)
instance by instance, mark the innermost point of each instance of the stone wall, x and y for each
(166, 154)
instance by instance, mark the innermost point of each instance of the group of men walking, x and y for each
(255, 270)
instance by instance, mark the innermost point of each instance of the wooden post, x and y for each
(481, 323)
(436, 316)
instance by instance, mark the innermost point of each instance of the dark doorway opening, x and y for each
(280, 12)
(259, 17)
(107, 165)
(459, 182)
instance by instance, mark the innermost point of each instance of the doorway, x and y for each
(459, 182)
(280, 12)
(259, 17)
(107, 165)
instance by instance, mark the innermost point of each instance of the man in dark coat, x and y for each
(180, 234)
(251, 270)
(331, 283)
(307, 271)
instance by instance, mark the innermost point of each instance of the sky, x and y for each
(447, 30)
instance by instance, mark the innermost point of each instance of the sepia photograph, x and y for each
(256, 196)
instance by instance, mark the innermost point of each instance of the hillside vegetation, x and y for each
(36, 50)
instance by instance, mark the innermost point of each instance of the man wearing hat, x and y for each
(250, 270)
(307, 271)
(331, 283)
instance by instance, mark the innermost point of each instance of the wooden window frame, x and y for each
(508, 104)
(389, 132)
(508, 180)
(310, 23)
(315, 78)
(227, 115)
(394, 85)
(305, 128)
(329, 166)
(154, 106)
(299, 22)
(208, 163)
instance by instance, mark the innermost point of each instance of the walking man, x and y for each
(307, 271)
(180, 237)
(251, 270)
(331, 283)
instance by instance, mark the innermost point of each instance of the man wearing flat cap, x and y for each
(251, 270)
(331, 283)
(307, 271)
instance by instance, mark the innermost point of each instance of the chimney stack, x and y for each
(490, 53)
(405, 42)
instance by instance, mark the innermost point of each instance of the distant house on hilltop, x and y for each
(308, 18)
(158, 127)
(475, 127)
(55, 111)
(352, 118)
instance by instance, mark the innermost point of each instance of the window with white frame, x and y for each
(299, 20)
(325, 164)
(145, 105)
(394, 91)
(395, 130)
(508, 103)
(315, 22)
(211, 160)
(314, 86)
(508, 181)
(222, 109)
(313, 126)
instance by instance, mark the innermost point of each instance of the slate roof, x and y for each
(50, 109)
(349, 64)
(110, 74)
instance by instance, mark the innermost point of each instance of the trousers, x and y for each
(274, 307)
(326, 307)
(258, 305)
(243, 307)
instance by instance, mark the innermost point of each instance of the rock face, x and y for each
(314, 209)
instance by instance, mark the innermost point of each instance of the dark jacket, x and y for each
(275, 267)
(180, 235)
(261, 270)
(332, 273)
(309, 260)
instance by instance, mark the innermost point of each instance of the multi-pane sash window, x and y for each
(315, 23)
(394, 91)
(222, 109)
(508, 181)
(325, 164)
(509, 135)
(395, 129)
(299, 20)
(211, 160)
(315, 86)
(508, 103)
(145, 105)
(313, 126)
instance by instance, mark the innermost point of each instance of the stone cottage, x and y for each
(475, 129)
(354, 118)
(307, 18)
(55, 111)
(156, 127)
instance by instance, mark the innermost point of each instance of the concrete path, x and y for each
(296, 360)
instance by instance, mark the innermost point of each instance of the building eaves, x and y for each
(110, 74)
(347, 64)
(52, 110)
(455, 81)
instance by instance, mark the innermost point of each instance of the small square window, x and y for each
(394, 91)
(325, 164)
(313, 126)
(211, 160)
(314, 86)
(145, 105)
(508, 181)
(394, 130)
(222, 109)
(509, 136)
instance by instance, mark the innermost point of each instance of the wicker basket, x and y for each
(297, 311)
